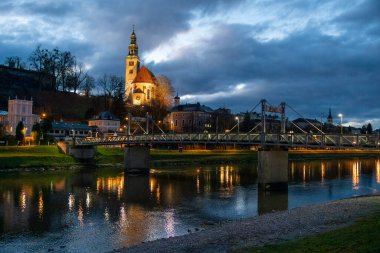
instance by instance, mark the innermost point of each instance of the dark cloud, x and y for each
(327, 62)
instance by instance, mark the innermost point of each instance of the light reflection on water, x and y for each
(99, 210)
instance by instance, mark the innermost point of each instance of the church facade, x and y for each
(140, 83)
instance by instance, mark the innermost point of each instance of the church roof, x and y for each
(145, 76)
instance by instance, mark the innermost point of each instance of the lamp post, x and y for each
(238, 123)
(322, 115)
(341, 121)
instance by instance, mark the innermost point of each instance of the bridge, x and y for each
(288, 140)
(272, 155)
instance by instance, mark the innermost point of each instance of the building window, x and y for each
(131, 71)
(23, 109)
(131, 63)
(175, 122)
(148, 94)
(183, 122)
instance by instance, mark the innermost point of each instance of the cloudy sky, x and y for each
(311, 54)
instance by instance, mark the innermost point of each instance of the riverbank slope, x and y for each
(49, 156)
(266, 229)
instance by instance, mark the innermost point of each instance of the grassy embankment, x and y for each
(49, 156)
(363, 236)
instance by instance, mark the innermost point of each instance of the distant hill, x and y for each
(27, 84)
(21, 83)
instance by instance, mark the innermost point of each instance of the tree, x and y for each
(246, 125)
(14, 62)
(2, 131)
(112, 87)
(76, 77)
(163, 98)
(36, 131)
(64, 65)
(46, 125)
(369, 128)
(164, 91)
(89, 85)
(46, 62)
(20, 134)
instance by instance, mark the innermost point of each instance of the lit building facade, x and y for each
(189, 118)
(106, 122)
(140, 83)
(19, 110)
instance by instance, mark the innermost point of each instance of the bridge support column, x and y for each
(137, 159)
(273, 169)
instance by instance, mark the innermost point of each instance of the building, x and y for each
(106, 122)
(19, 110)
(189, 118)
(60, 130)
(330, 118)
(140, 83)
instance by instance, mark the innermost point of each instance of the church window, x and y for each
(148, 94)
(131, 63)
(131, 71)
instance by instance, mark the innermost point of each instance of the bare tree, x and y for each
(45, 61)
(65, 64)
(14, 62)
(89, 85)
(76, 77)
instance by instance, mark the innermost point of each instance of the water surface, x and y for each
(99, 209)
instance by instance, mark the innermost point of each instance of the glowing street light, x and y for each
(341, 122)
(238, 123)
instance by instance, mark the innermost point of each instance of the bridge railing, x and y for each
(288, 139)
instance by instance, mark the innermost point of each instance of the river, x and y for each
(100, 209)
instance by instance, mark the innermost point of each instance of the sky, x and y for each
(311, 54)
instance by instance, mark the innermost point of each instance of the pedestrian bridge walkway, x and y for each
(288, 140)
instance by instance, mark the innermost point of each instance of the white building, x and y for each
(106, 122)
(19, 110)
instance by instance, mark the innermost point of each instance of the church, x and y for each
(140, 83)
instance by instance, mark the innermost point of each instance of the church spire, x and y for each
(133, 48)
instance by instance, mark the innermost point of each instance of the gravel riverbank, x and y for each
(266, 229)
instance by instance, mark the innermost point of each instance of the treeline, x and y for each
(66, 72)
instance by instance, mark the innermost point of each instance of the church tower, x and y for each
(132, 65)
(330, 118)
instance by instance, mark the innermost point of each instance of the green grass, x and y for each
(363, 236)
(33, 156)
(49, 156)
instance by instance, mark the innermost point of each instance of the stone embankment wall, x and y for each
(77, 152)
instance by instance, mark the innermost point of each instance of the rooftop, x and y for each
(192, 108)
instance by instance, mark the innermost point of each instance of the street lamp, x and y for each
(237, 118)
(341, 121)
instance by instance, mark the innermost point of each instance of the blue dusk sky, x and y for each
(313, 55)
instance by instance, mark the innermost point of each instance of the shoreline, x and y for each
(161, 158)
(266, 229)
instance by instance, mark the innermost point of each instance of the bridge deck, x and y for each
(325, 141)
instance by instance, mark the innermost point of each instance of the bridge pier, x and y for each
(137, 159)
(273, 169)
